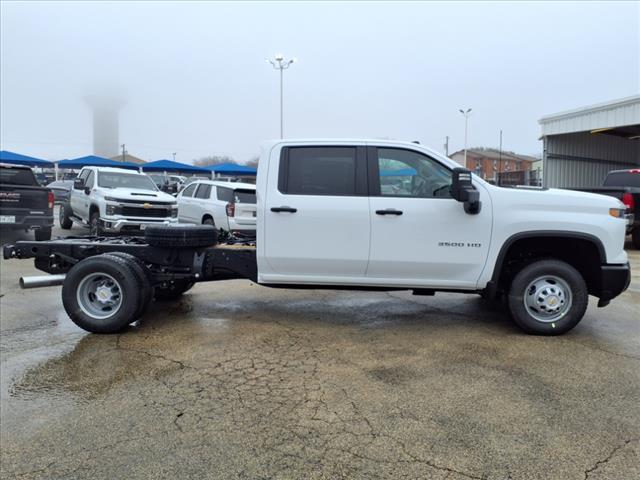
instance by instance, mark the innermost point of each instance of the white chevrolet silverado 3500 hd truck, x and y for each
(363, 215)
(115, 200)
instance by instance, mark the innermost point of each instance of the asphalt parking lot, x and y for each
(240, 381)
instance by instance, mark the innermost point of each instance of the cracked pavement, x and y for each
(240, 381)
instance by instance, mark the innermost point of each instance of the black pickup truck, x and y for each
(625, 186)
(24, 204)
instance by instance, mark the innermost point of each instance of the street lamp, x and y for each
(279, 63)
(174, 156)
(466, 129)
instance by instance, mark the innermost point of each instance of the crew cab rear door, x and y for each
(419, 234)
(315, 219)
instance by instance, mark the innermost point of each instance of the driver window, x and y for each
(88, 183)
(405, 173)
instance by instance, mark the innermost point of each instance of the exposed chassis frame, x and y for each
(163, 263)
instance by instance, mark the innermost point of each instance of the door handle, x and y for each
(284, 209)
(389, 211)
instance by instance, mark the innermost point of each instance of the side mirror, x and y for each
(87, 190)
(462, 190)
(78, 184)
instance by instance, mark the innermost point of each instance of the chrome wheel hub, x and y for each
(548, 298)
(99, 295)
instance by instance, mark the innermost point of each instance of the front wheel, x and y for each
(64, 212)
(94, 224)
(548, 297)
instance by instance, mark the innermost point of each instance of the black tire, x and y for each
(64, 215)
(42, 234)
(94, 224)
(209, 221)
(173, 290)
(130, 295)
(181, 236)
(635, 238)
(139, 269)
(523, 315)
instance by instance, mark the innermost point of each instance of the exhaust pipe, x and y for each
(38, 281)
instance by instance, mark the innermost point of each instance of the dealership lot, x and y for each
(241, 381)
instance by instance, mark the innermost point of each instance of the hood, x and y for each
(555, 199)
(139, 194)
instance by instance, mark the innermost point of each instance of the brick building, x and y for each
(489, 163)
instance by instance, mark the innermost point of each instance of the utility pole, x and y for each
(124, 158)
(174, 156)
(446, 146)
(466, 129)
(500, 161)
(279, 63)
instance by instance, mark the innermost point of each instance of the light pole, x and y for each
(279, 63)
(174, 156)
(466, 129)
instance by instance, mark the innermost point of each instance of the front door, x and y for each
(419, 234)
(316, 215)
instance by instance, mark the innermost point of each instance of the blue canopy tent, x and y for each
(171, 166)
(17, 159)
(94, 161)
(231, 169)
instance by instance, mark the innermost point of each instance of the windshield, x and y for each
(125, 180)
(17, 176)
(622, 179)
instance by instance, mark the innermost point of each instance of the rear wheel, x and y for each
(101, 294)
(138, 268)
(64, 215)
(548, 297)
(42, 233)
(209, 221)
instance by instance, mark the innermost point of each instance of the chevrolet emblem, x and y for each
(146, 205)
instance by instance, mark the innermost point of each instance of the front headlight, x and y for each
(111, 209)
(111, 199)
(174, 211)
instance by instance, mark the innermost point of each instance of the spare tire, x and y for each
(181, 235)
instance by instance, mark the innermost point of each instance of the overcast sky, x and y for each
(196, 82)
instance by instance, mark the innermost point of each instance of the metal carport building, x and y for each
(580, 146)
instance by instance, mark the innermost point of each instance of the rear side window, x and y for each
(17, 176)
(318, 171)
(204, 191)
(224, 194)
(188, 192)
(622, 179)
(244, 196)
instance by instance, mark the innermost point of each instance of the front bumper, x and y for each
(614, 279)
(121, 225)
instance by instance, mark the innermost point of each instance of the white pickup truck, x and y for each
(115, 200)
(365, 215)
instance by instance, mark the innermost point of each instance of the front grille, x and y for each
(145, 212)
